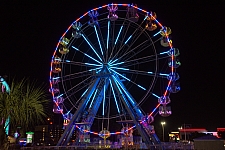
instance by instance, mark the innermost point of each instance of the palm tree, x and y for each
(26, 105)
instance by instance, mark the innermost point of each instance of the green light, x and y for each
(29, 132)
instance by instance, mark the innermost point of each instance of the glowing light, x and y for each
(92, 64)
(120, 68)
(114, 97)
(107, 45)
(155, 95)
(93, 98)
(103, 104)
(128, 79)
(98, 40)
(86, 54)
(117, 82)
(116, 64)
(128, 39)
(91, 46)
(110, 62)
(162, 74)
(156, 34)
(118, 34)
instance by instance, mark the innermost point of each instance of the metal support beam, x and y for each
(96, 102)
(135, 107)
(134, 114)
(67, 134)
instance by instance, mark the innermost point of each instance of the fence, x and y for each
(164, 146)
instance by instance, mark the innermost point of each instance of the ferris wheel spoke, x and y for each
(121, 89)
(80, 63)
(111, 28)
(114, 96)
(77, 75)
(103, 42)
(147, 73)
(69, 93)
(123, 38)
(103, 103)
(133, 49)
(156, 95)
(88, 42)
(114, 44)
(118, 35)
(86, 54)
(140, 49)
(143, 61)
(107, 42)
(78, 101)
(82, 82)
(127, 79)
(128, 49)
(132, 35)
(99, 42)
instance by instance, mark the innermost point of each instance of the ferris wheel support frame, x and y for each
(136, 115)
(71, 126)
(150, 139)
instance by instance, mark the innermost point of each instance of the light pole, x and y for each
(163, 124)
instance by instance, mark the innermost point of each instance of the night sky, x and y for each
(29, 33)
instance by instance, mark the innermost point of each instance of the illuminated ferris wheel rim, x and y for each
(129, 5)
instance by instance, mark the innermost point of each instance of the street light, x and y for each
(163, 124)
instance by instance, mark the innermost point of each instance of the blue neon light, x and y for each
(84, 92)
(118, 34)
(120, 75)
(95, 69)
(162, 74)
(108, 35)
(114, 97)
(103, 105)
(116, 64)
(110, 62)
(98, 40)
(156, 33)
(59, 96)
(141, 87)
(120, 68)
(128, 79)
(91, 46)
(93, 98)
(86, 54)
(155, 95)
(123, 89)
(128, 39)
(92, 64)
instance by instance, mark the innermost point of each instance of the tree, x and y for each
(26, 105)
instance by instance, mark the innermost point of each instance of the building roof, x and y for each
(207, 138)
(193, 130)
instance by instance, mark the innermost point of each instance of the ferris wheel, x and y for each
(114, 65)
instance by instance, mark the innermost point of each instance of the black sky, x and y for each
(29, 33)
